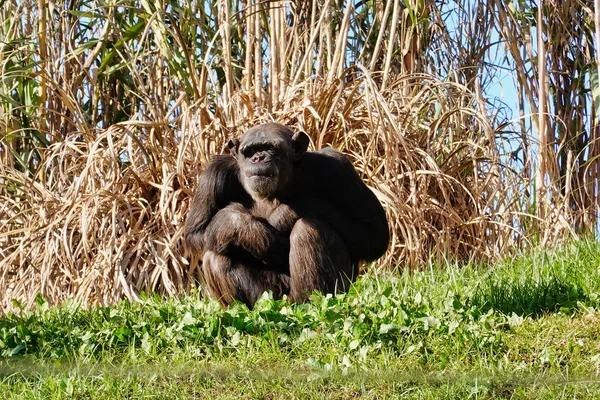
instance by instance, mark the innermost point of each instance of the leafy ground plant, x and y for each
(526, 328)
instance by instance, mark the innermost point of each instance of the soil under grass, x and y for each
(525, 328)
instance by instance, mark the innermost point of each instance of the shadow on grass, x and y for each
(530, 297)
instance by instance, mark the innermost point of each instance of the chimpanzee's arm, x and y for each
(235, 227)
(341, 199)
(217, 187)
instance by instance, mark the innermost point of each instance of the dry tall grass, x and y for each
(105, 219)
(554, 48)
(107, 122)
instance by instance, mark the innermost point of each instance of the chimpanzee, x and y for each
(272, 216)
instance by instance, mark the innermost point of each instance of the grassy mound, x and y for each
(525, 327)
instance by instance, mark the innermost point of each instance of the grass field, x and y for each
(528, 327)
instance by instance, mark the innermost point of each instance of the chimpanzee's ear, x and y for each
(233, 147)
(300, 142)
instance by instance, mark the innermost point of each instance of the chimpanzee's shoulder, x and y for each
(326, 161)
(326, 156)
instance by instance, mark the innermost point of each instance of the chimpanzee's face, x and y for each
(266, 156)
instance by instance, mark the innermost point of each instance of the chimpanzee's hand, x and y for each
(283, 218)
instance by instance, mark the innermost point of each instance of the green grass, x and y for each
(525, 328)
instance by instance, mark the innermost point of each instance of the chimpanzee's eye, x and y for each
(248, 151)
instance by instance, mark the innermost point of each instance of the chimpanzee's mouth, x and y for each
(261, 173)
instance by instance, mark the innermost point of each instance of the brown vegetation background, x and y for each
(109, 110)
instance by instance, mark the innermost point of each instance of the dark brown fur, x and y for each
(272, 216)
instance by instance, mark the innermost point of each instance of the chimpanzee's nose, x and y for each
(258, 157)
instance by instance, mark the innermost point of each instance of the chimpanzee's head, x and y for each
(266, 155)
